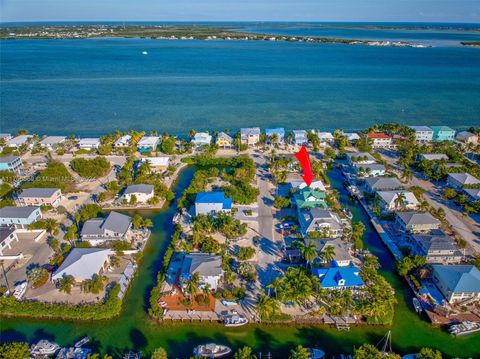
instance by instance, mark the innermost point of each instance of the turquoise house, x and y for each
(443, 133)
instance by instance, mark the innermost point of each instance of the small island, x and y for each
(172, 32)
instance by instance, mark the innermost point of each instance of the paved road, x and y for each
(270, 246)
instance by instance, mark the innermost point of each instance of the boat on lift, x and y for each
(44, 348)
(211, 350)
(235, 320)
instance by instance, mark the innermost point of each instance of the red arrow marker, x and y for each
(304, 159)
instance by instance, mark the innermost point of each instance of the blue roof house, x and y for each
(457, 282)
(278, 132)
(212, 202)
(443, 133)
(336, 277)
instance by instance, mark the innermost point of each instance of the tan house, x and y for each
(39, 197)
(250, 136)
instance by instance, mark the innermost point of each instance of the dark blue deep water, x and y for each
(92, 86)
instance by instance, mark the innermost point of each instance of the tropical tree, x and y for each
(267, 307)
(18, 350)
(399, 201)
(66, 284)
(137, 220)
(299, 353)
(328, 254)
(192, 285)
(428, 353)
(309, 252)
(94, 285)
(245, 353)
(159, 353)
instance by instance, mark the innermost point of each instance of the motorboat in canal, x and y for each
(234, 320)
(20, 290)
(463, 328)
(316, 353)
(44, 348)
(81, 342)
(417, 305)
(211, 350)
(347, 213)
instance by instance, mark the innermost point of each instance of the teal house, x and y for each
(443, 133)
(309, 198)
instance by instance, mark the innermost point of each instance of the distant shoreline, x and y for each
(173, 32)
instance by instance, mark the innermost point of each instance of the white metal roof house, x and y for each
(208, 266)
(398, 200)
(157, 163)
(325, 137)
(279, 133)
(374, 184)
(20, 217)
(369, 169)
(433, 156)
(52, 142)
(363, 158)
(123, 141)
(300, 137)
(114, 227)
(458, 180)
(83, 263)
(417, 222)
(18, 141)
(142, 192)
(320, 220)
(149, 143)
(201, 139)
(342, 256)
(422, 133)
(89, 143)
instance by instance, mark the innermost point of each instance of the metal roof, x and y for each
(82, 263)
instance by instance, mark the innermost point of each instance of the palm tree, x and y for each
(267, 307)
(407, 174)
(159, 353)
(309, 252)
(328, 254)
(192, 286)
(299, 353)
(66, 284)
(244, 353)
(399, 201)
(206, 291)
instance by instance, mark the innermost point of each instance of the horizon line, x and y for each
(244, 21)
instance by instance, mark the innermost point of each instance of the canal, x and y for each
(134, 330)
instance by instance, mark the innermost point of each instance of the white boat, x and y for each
(347, 213)
(44, 347)
(144, 53)
(234, 320)
(316, 353)
(211, 350)
(463, 328)
(416, 304)
(20, 290)
(228, 303)
(81, 342)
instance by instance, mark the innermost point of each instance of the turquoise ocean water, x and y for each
(92, 86)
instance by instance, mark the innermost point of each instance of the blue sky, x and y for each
(241, 10)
